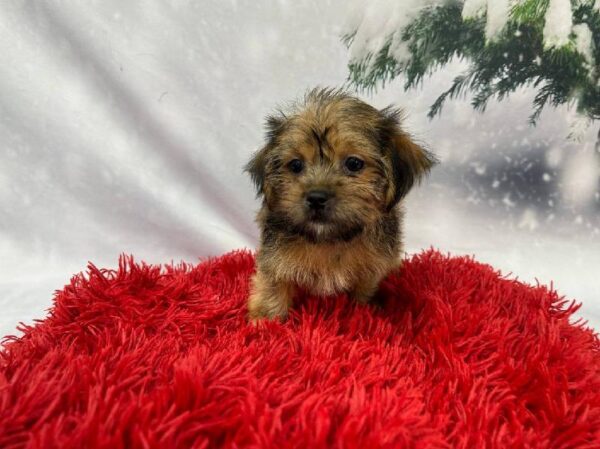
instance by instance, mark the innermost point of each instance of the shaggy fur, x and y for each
(352, 241)
(457, 357)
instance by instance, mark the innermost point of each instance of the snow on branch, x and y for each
(376, 24)
(558, 23)
(548, 45)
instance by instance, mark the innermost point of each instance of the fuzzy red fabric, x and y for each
(149, 357)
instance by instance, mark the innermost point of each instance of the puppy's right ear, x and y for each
(257, 167)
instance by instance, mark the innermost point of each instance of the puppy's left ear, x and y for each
(409, 161)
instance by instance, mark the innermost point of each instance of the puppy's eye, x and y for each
(296, 165)
(354, 164)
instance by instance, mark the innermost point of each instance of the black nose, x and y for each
(316, 199)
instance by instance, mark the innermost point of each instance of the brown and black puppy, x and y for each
(332, 175)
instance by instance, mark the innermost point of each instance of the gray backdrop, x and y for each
(124, 127)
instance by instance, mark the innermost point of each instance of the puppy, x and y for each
(331, 175)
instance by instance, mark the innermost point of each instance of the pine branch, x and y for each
(515, 58)
(458, 86)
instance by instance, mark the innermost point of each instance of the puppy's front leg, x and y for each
(268, 298)
(365, 290)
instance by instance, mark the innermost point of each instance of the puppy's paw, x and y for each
(268, 299)
(260, 308)
(366, 291)
(361, 298)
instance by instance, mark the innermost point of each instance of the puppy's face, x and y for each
(333, 166)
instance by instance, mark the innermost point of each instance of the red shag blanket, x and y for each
(148, 357)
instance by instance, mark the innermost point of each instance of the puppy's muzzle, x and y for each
(317, 200)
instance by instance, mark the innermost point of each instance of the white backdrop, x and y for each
(124, 127)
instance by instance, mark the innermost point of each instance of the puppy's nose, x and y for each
(316, 199)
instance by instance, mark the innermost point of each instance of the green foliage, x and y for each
(530, 11)
(517, 57)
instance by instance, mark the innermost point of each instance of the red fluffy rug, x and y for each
(148, 357)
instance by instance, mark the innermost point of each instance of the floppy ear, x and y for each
(409, 161)
(257, 166)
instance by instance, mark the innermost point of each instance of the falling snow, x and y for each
(128, 133)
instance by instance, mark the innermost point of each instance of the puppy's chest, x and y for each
(328, 269)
